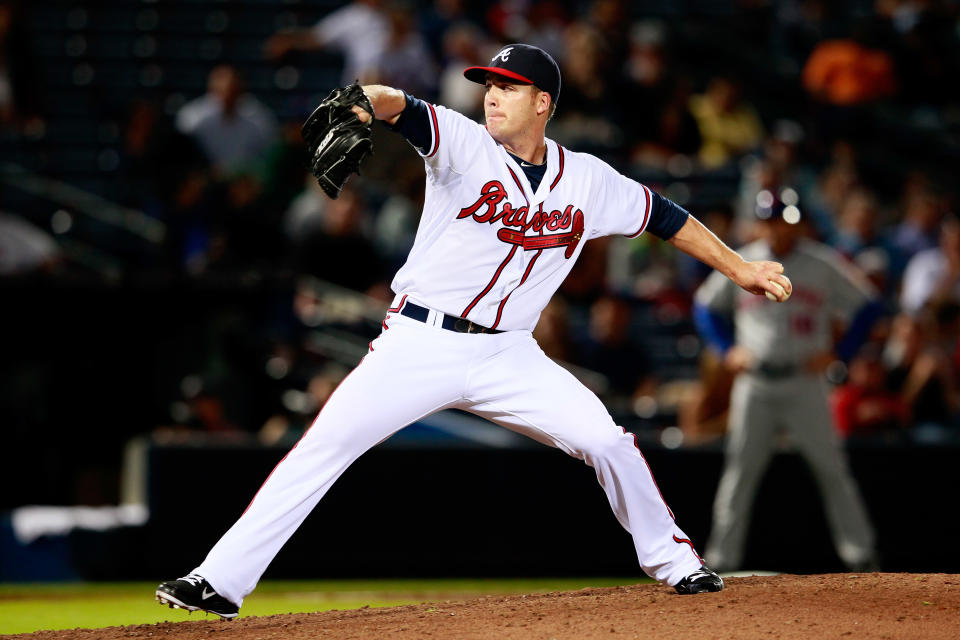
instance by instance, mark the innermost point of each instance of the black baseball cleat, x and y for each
(193, 592)
(703, 580)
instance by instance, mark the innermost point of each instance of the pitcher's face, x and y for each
(510, 108)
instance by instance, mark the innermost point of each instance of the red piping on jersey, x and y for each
(650, 471)
(519, 186)
(526, 273)
(436, 130)
(389, 311)
(687, 541)
(577, 234)
(513, 250)
(559, 173)
(496, 276)
(522, 280)
(399, 305)
(646, 213)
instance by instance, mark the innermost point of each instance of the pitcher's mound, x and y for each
(853, 605)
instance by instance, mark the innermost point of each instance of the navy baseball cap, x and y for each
(523, 63)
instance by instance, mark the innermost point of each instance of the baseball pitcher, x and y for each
(505, 216)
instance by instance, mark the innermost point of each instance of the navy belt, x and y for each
(776, 371)
(451, 323)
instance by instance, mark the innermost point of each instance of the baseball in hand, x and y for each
(781, 291)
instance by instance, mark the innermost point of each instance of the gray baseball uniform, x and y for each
(778, 393)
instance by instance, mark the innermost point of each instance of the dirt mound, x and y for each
(871, 605)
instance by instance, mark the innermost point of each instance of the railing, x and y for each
(77, 200)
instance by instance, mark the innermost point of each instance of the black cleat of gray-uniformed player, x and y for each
(703, 580)
(193, 592)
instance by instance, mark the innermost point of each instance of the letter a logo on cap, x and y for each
(503, 55)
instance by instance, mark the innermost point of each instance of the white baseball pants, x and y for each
(415, 369)
(759, 409)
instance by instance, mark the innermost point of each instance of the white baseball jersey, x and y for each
(491, 249)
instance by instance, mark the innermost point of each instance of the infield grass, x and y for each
(32, 607)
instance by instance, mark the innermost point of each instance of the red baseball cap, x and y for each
(523, 63)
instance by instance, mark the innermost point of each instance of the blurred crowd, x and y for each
(852, 106)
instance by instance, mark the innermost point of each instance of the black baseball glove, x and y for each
(337, 139)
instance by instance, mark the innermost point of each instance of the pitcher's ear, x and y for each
(543, 102)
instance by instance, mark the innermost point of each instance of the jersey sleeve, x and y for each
(666, 217)
(623, 206)
(415, 123)
(445, 139)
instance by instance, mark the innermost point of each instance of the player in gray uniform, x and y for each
(779, 353)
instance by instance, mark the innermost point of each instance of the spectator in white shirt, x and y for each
(232, 127)
(360, 31)
(934, 275)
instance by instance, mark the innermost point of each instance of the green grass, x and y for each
(32, 607)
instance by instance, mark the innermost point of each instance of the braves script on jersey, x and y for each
(489, 247)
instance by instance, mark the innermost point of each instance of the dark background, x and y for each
(94, 349)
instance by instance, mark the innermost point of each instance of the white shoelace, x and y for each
(193, 579)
